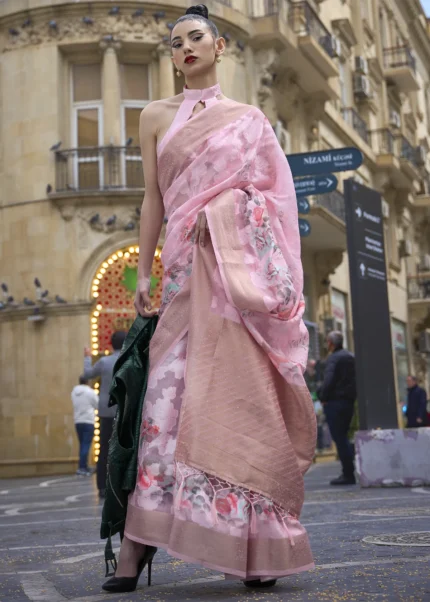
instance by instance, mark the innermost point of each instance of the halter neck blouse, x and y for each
(207, 96)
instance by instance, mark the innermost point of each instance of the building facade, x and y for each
(74, 77)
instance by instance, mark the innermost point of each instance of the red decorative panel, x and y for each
(114, 288)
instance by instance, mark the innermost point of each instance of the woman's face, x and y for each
(194, 48)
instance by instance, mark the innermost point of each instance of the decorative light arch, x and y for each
(113, 288)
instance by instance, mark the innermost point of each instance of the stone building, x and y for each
(74, 77)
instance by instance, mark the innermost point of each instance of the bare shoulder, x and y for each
(158, 112)
(159, 107)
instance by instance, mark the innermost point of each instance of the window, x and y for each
(383, 30)
(344, 81)
(365, 10)
(87, 126)
(134, 82)
(340, 314)
(427, 106)
(87, 83)
(135, 95)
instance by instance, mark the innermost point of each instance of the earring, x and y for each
(218, 60)
(178, 73)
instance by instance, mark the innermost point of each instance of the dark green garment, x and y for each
(129, 382)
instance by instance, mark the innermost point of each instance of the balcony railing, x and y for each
(355, 121)
(270, 8)
(399, 56)
(419, 287)
(98, 168)
(407, 151)
(425, 185)
(304, 21)
(383, 142)
(333, 201)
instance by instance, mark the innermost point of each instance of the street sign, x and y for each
(304, 227)
(303, 206)
(320, 162)
(315, 185)
(371, 314)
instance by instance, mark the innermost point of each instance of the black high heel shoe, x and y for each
(119, 585)
(258, 584)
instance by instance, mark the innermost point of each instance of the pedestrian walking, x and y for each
(103, 369)
(416, 410)
(228, 425)
(338, 394)
(85, 401)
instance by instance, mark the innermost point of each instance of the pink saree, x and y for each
(228, 426)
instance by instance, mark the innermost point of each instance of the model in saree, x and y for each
(228, 426)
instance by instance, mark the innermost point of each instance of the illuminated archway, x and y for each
(114, 287)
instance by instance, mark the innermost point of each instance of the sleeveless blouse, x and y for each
(208, 97)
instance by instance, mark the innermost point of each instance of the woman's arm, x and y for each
(152, 214)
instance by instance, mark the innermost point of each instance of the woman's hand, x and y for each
(202, 228)
(142, 301)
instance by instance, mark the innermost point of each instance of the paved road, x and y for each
(50, 551)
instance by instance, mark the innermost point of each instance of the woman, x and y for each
(228, 426)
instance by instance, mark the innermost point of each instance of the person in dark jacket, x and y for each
(104, 369)
(416, 411)
(338, 393)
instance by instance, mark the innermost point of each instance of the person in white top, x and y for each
(85, 401)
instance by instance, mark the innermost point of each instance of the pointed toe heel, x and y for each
(119, 585)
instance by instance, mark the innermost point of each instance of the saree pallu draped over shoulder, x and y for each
(232, 311)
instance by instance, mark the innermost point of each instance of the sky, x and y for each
(426, 6)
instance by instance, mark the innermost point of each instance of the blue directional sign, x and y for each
(304, 227)
(320, 162)
(315, 185)
(303, 206)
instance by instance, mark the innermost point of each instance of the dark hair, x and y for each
(199, 13)
(83, 380)
(117, 339)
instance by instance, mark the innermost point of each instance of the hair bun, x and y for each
(200, 9)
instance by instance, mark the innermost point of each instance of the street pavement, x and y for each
(50, 549)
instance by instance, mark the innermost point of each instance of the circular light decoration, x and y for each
(96, 449)
(114, 287)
